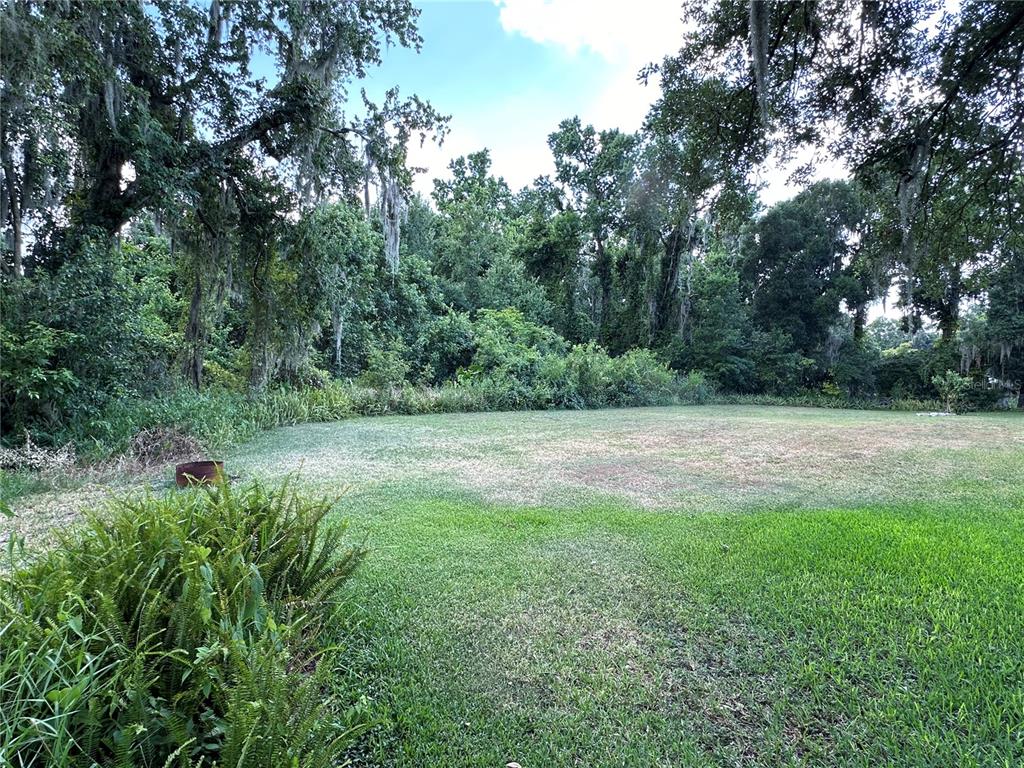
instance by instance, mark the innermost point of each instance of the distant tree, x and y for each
(720, 334)
(549, 243)
(340, 257)
(506, 284)
(951, 387)
(886, 333)
(219, 119)
(596, 170)
(1006, 321)
(473, 227)
(798, 263)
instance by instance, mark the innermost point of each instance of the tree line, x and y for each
(190, 198)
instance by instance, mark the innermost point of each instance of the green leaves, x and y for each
(174, 625)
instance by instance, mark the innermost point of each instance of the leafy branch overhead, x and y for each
(183, 92)
(923, 102)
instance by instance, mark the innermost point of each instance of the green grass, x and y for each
(614, 637)
(686, 586)
(728, 585)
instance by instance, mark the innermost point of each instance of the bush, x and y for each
(952, 387)
(178, 631)
(582, 379)
(449, 344)
(509, 346)
(33, 383)
(97, 330)
(979, 397)
(640, 378)
(696, 388)
(386, 367)
(779, 367)
(854, 371)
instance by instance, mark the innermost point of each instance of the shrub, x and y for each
(178, 631)
(980, 397)
(952, 387)
(779, 367)
(581, 379)
(94, 331)
(386, 367)
(902, 372)
(33, 383)
(449, 344)
(640, 378)
(696, 388)
(511, 346)
(854, 370)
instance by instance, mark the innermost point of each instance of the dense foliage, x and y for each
(192, 205)
(187, 630)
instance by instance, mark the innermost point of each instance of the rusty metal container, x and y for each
(198, 473)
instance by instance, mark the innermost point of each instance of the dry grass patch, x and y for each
(657, 458)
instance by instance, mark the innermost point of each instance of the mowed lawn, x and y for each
(679, 586)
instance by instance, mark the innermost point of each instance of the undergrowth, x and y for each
(219, 418)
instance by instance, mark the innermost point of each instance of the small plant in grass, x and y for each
(183, 630)
(952, 387)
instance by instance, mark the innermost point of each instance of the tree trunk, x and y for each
(338, 324)
(260, 367)
(366, 181)
(604, 276)
(860, 318)
(262, 359)
(14, 211)
(685, 283)
(194, 337)
(948, 322)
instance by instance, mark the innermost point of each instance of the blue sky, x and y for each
(508, 72)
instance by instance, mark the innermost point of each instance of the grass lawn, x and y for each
(680, 586)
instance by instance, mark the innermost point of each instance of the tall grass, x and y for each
(218, 418)
(182, 630)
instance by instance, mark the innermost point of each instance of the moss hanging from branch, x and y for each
(759, 53)
(908, 198)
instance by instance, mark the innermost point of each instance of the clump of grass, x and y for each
(178, 630)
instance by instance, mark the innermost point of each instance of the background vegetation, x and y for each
(174, 221)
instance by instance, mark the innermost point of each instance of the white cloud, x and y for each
(632, 33)
(626, 36)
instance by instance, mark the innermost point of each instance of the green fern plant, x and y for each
(179, 630)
